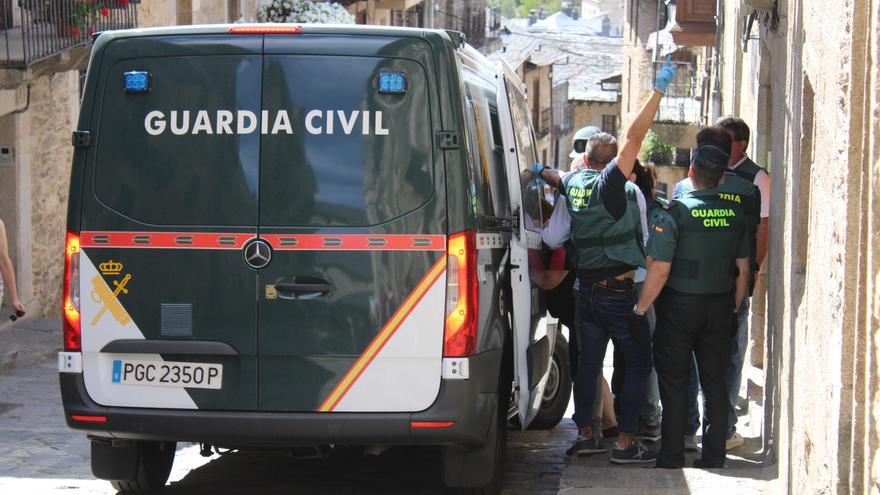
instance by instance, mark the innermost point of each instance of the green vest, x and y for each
(709, 230)
(602, 241)
(748, 170)
(742, 193)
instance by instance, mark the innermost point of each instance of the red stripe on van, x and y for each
(356, 242)
(165, 240)
(281, 242)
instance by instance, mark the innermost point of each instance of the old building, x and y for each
(44, 49)
(804, 75)
(40, 78)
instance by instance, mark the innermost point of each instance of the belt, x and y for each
(617, 284)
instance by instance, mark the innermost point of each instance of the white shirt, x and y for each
(641, 273)
(762, 182)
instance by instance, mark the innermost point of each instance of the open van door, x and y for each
(532, 344)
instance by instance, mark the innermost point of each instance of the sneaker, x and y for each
(649, 433)
(586, 446)
(690, 443)
(735, 440)
(636, 453)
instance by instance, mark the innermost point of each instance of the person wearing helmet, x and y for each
(579, 141)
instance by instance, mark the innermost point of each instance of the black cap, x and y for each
(709, 156)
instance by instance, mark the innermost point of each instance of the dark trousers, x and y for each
(700, 325)
(602, 316)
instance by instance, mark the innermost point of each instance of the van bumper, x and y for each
(468, 403)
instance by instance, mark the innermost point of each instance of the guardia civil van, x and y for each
(284, 236)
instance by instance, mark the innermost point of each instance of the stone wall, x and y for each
(41, 140)
(807, 92)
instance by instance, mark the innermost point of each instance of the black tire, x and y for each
(153, 468)
(558, 390)
(459, 465)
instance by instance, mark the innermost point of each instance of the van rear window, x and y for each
(282, 140)
(177, 155)
(357, 157)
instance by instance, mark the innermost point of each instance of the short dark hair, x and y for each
(737, 126)
(715, 135)
(645, 179)
(708, 162)
(601, 149)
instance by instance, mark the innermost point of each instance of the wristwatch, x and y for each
(636, 310)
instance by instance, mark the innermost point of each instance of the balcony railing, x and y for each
(34, 30)
(683, 103)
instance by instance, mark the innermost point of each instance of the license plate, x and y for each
(167, 373)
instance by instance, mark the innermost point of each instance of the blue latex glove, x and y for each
(665, 76)
(536, 169)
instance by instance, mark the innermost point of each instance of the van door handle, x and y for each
(300, 288)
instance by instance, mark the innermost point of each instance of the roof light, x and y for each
(264, 29)
(392, 83)
(137, 82)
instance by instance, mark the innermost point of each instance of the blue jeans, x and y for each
(732, 376)
(602, 317)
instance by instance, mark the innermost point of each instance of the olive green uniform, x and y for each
(702, 236)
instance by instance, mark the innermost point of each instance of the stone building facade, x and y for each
(37, 115)
(807, 80)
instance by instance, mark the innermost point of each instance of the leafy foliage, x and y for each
(305, 11)
(656, 151)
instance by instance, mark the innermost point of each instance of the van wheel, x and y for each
(558, 390)
(478, 471)
(153, 468)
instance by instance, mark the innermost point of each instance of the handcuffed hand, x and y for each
(665, 76)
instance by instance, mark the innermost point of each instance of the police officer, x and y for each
(739, 191)
(606, 230)
(698, 255)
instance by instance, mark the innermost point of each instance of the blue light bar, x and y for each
(137, 82)
(392, 83)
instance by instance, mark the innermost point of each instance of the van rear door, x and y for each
(532, 344)
(351, 307)
(169, 310)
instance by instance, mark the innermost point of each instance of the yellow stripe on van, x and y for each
(383, 337)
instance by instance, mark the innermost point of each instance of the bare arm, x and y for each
(635, 133)
(658, 273)
(7, 271)
(742, 281)
(551, 176)
(763, 240)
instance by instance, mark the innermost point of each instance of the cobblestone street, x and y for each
(40, 455)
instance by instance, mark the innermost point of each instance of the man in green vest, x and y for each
(745, 168)
(698, 256)
(739, 185)
(606, 230)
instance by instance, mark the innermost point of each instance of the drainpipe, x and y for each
(718, 64)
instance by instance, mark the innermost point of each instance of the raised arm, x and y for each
(641, 123)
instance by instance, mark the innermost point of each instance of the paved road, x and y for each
(39, 455)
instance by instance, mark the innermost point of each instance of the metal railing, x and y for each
(683, 103)
(34, 30)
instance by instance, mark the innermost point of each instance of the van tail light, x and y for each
(462, 297)
(71, 294)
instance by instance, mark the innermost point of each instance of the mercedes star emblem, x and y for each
(257, 254)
